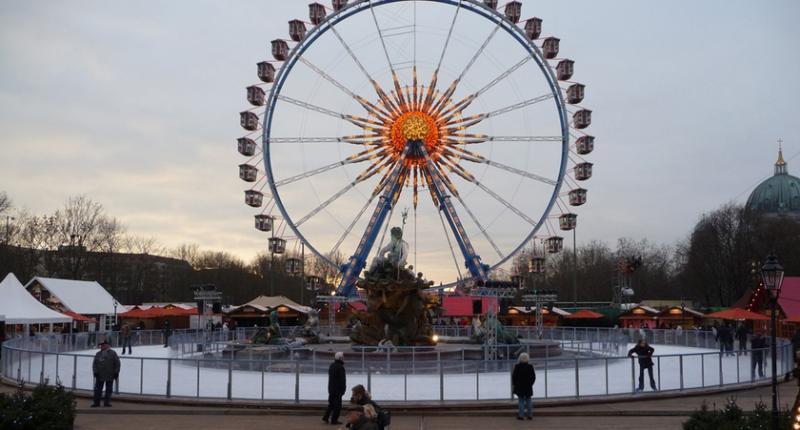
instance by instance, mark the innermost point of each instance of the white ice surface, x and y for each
(701, 368)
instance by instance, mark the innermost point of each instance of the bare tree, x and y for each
(189, 252)
(5, 202)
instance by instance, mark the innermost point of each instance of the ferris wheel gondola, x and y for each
(423, 127)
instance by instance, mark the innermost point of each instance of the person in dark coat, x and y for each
(337, 386)
(741, 336)
(758, 344)
(725, 339)
(106, 369)
(644, 353)
(522, 379)
(361, 397)
(167, 332)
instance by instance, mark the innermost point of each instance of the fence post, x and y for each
(141, 375)
(478, 382)
(198, 378)
(720, 370)
(41, 372)
(702, 370)
(633, 376)
(169, 377)
(405, 386)
(19, 368)
(606, 375)
(546, 360)
(658, 363)
(577, 379)
(369, 379)
(230, 380)
(738, 371)
(680, 366)
(297, 382)
(441, 381)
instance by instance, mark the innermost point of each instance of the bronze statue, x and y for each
(397, 308)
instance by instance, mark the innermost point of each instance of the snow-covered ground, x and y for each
(147, 371)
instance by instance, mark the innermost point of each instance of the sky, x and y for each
(135, 104)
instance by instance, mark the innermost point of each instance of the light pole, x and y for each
(772, 275)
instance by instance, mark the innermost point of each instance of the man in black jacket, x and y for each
(758, 345)
(645, 354)
(337, 386)
(741, 336)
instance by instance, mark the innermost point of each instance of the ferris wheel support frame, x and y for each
(358, 261)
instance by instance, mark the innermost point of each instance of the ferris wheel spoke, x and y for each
(477, 158)
(352, 224)
(445, 97)
(470, 138)
(450, 244)
(505, 203)
(356, 139)
(327, 203)
(464, 103)
(356, 158)
(431, 93)
(480, 227)
(388, 103)
(471, 120)
(369, 107)
(398, 90)
(358, 121)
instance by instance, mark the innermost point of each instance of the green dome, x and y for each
(778, 195)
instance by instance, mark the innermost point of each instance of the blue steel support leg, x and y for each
(472, 261)
(355, 265)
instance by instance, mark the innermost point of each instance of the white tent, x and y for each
(19, 307)
(83, 297)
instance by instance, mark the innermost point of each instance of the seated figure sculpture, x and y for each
(395, 252)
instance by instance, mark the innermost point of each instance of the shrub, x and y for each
(46, 408)
(732, 417)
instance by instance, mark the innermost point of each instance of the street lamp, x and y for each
(772, 275)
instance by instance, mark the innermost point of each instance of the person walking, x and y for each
(757, 344)
(106, 369)
(337, 386)
(127, 338)
(167, 332)
(644, 352)
(522, 379)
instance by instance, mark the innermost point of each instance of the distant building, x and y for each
(778, 195)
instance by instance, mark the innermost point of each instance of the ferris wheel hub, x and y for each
(415, 126)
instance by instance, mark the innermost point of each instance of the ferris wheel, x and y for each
(453, 119)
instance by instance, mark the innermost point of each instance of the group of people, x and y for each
(362, 413)
(725, 335)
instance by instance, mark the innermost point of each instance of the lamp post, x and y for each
(772, 275)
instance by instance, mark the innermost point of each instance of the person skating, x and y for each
(644, 353)
(127, 337)
(522, 379)
(106, 369)
(741, 336)
(337, 386)
(167, 332)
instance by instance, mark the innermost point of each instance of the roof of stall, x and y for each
(83, 297)
(19, 307)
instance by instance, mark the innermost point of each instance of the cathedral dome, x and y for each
(779, 194)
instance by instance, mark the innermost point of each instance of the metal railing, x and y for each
(596, 365)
